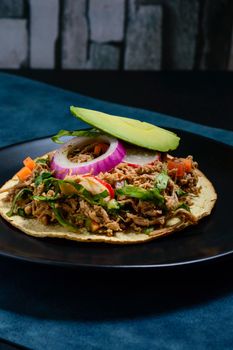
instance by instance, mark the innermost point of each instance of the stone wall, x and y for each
(116, 34)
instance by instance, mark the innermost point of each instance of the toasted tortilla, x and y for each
(202, 206)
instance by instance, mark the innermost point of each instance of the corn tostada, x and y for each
(115, 183)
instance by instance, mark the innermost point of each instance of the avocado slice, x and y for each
(131, 130)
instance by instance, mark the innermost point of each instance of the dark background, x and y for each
(116, 34)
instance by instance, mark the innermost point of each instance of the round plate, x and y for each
(212, 238)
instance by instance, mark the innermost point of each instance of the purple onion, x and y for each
(62, 166)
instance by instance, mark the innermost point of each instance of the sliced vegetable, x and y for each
(107, 186)
(138, 156)
(95, 185)
(133, 165)
(62, 166)
(133, 131)
(24, 173)
(81, 191)
(29, 163)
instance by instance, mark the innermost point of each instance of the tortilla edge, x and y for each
(93, 238)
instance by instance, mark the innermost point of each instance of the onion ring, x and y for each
(62, 166)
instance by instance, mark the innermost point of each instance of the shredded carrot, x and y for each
(101, 147)
(24, 173)
(29, 163)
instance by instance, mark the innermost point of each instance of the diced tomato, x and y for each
(188, 164)
(181, 165)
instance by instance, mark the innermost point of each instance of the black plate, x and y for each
(212, 238)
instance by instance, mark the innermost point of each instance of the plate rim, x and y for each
(66, 264)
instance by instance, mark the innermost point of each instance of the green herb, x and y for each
(42, 178)
(24, 193)
(180, 192)
(99, 196)
(162, 181)
(80, 217)
(88, 223)
(61, 133)
(113, 205)
(148, 230)
(183, 206)
(21, 212)
(61, 219)
(90, 198)
(42, 160)
(140, 193)
(46, 198)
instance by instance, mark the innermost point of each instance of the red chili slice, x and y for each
(108, 187)
(104, 183)
(133, 165)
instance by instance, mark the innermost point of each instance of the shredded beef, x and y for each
(141, 221)
(133, 214)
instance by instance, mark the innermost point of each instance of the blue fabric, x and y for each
(30, 109)
(53, 308)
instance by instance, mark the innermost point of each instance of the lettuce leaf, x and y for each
(61, 133)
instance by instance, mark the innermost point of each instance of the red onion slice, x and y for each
(62, 166)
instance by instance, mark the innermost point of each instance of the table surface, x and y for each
(201, 97)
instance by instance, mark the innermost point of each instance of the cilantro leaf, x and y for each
(140, 193)
(24, 193)
(41, 178)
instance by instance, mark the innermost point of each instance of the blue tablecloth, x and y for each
(53, 308)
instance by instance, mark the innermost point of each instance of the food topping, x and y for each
(79, 156)
(141, 198)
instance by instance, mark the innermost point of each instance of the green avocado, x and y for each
(131, 130)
